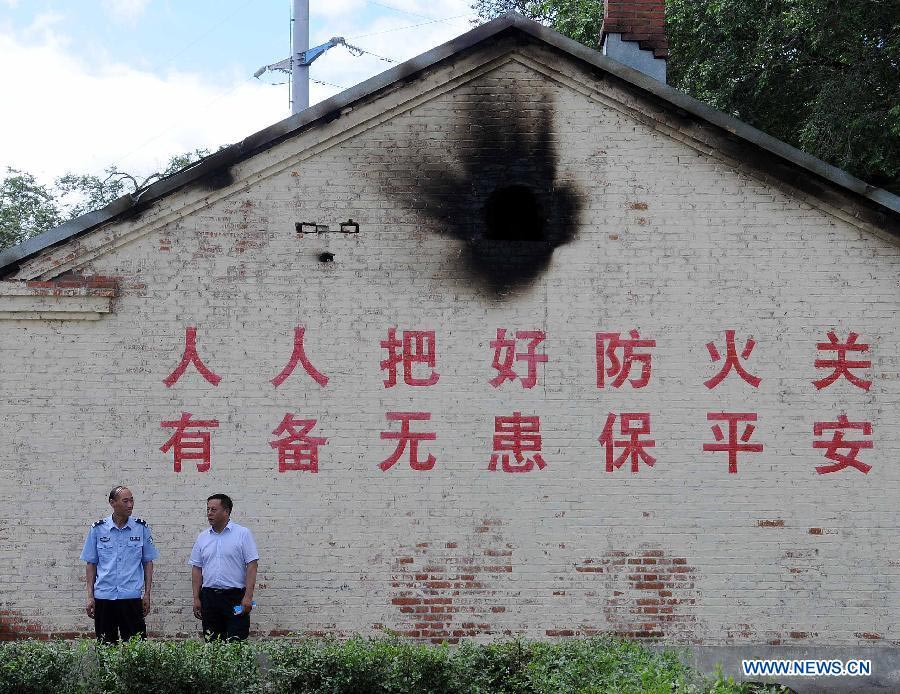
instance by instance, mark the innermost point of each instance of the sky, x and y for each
(87, 84)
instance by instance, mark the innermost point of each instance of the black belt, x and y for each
(224, 590)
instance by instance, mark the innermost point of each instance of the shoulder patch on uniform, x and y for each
(99, 522)
(140, 520)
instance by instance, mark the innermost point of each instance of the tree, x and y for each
(578, 19)
(28, 207)
(822, 75)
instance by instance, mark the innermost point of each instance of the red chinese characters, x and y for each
(632, 425)
(408, 438)
(505, 356)
(840, 364)
(732, 361)
(190, 445)
(190, 357)
(623, 359)
(298, 356)
(513, 438)
(610, 364)
(297, 450)
(416, 347)
(837, 442)
(734, 444)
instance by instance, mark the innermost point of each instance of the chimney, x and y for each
(634, 33)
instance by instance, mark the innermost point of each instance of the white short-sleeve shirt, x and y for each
(223, 557)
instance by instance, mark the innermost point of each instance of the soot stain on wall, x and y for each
(496, 185)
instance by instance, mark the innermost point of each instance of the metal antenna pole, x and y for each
(299, 66)
(302, 56)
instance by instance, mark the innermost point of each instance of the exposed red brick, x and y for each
(638, 20)
(868, 635)
(770, 523)
(497, 569)
(14, 626)
(442, 581)
(406, 601)
(653, 585)
(644, 600)
(438, 601)
(77, 281)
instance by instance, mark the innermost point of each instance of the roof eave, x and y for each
(327, 109)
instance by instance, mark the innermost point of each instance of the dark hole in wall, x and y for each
(494, 183)
(513, 213)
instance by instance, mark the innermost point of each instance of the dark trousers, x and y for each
(113, 618)
(217, 610)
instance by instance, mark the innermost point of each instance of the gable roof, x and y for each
(801, 169)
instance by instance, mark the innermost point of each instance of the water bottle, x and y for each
(240, 608)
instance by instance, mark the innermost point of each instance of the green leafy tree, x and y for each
(28, 207)
(578, 19)
(822, 75)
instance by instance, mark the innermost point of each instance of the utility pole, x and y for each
(302, 56)
(299, 64)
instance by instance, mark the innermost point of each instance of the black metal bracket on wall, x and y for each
(348, 227)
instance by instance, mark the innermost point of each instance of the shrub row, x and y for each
(383, 666)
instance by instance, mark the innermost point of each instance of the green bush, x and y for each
(38, 667)
(357, 666)
(175, 667)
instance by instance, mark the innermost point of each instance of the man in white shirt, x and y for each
(223, 573)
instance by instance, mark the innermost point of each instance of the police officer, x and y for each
(119, 553)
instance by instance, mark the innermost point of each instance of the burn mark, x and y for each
(216, 179)
(496, 186)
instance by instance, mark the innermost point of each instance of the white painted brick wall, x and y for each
(676, 243)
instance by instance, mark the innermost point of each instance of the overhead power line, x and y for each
(398, 9)
(410, 26)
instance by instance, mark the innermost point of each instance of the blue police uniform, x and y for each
(120, 555)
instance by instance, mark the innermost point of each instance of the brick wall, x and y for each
(674, 240)
(643, 21)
